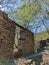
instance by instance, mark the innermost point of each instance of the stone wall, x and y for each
(26, 41)
(7, 35)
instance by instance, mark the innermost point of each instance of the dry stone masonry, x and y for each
(26, 41)
(7, 35)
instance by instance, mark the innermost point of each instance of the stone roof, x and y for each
(3, 15)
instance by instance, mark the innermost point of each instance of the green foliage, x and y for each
(42, 36)
(31, 12)
(28, 12)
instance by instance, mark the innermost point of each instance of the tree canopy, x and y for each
(28, 12)
(34, 11)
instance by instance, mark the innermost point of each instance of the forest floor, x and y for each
(42, 59)
(38, 60)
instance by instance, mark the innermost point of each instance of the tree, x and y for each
(36, 10)
(27, 12)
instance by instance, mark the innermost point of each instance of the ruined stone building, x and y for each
(7, 37)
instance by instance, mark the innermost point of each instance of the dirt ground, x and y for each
(35, 61)
(38, 60)
(42, 60)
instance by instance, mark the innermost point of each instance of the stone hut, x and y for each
(26, 41)
(7, 35)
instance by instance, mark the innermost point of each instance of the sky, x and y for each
(12, 4)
